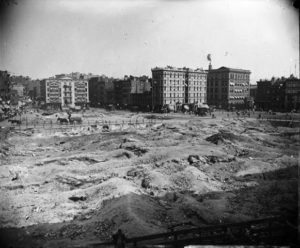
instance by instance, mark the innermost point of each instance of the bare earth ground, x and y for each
(59, 189)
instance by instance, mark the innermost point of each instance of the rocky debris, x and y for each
(124, 154)
(220, 137)
(134, 146)
(65, 161)
(193, 159)
(214, 159)
(138, 151)
(77, 198)
(75, 182)
(136, 172)
(242, 153)
(104, 229)
(170, 163)
(4, 149)
(14, 175)
(71, 231)
(146, 183)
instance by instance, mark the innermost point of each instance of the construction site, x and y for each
(66, 185)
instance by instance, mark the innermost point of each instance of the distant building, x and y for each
(133, 91)
(228, 87)
(101, 91)
(292, 94)
(19, 89)
(34, 89)
(271, 94)
(64, 91)
(5, 85)
(253, 90)
(172, 85)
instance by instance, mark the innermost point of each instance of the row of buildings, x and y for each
(278, 94)
(224, 87)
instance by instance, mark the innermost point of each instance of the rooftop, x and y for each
(224, 68)
(172, 68)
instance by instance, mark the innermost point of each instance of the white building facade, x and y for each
(65, 92)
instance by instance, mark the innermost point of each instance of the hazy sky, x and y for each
(41, 38)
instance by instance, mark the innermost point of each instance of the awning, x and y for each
(202, 105)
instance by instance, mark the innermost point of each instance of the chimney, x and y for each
(209, 67)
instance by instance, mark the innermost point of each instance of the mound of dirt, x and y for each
(220, 137)
(134, 210)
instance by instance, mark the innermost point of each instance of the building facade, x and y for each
(133, 91)
(172, 85)
(5, 85)
(292, 94)
(271, 94)
(253, 91)
(228, 87)
(65, 92)
(101, 91)
(19, 89)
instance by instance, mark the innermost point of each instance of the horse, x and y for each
(63, 120)
(75, 119)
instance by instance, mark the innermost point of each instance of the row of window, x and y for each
(179, 88)
(182, 74)
(183, 94)
(239, 76)
(181, 82)
(179, 100)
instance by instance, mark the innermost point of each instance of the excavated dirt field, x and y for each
(64, 190)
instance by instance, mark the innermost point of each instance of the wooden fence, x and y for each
(107, 125)
(268, 231)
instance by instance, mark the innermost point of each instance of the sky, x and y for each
(41, 38)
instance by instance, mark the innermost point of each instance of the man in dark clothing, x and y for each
(119, 239)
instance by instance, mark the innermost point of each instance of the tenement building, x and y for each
(101, 91)
(292, 94)
(271, 94)
(172, 85)
(5, 86)
(228, 87)
(133, 91)
(63, 91)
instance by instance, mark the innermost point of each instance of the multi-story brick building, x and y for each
(5, 85)
(64, 91)
(172, 85)
(101, 91)
(271, 94)
(292, 94)
(133, 91)
(228, 87)
(19, 89)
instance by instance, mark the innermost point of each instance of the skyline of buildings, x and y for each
(222, 87)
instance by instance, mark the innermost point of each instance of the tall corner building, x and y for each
(228, 87)
(172, 85)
